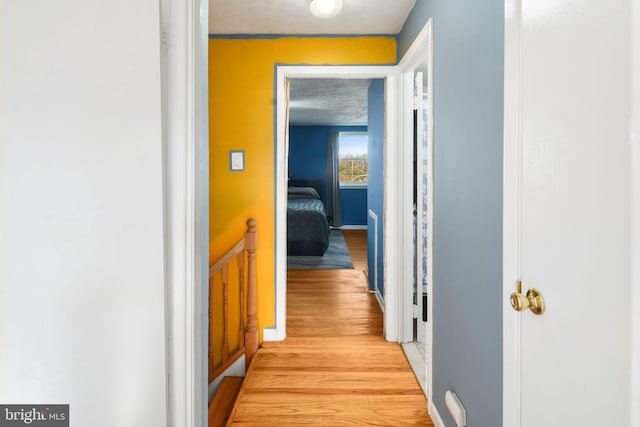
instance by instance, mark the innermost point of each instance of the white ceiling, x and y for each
(315, 101)
(294, 17)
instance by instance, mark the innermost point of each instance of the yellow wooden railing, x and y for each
(244, 314)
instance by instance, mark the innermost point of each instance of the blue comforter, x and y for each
(307, 221)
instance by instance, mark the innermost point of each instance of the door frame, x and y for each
(185, 144)
(410, 62)
(397, 167)
(512, 181)
(392, 168)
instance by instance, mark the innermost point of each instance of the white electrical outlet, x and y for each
(456, 408)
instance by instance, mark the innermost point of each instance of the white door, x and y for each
(566, 216)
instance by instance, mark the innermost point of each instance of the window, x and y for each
(353, 158)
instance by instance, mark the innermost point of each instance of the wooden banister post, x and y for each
(210, 341)
(251, 335)
(225, 313)
(241, 262)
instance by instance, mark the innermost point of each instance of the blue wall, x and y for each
(354, 206)
(308, 152)
(376, 180)
(308, 160)
(468, 37)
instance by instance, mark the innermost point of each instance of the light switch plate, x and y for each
(236, 160)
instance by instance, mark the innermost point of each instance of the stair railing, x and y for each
(244, 252)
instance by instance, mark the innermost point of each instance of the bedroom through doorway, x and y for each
(326, 109)
(390, 232)
(334, 173)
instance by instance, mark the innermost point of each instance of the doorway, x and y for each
(399, 247)
(284, 75)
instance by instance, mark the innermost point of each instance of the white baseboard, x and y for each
(237, 369)
(379, 299)
(273, 334)
(435, 415)
(353, 227)
(418, 365)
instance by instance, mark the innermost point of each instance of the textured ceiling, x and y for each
(294, 17)
(314, 101)
(328, 102)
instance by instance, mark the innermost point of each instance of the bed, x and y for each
(307, 224)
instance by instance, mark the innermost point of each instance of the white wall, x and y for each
(635, 214)
(81, 227)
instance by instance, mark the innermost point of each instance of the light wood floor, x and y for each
(357, 243)
(334, 368)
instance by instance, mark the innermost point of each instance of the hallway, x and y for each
(334, 368)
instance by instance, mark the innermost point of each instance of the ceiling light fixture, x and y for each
(325, 9)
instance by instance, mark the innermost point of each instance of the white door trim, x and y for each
(413, 59)
(405, 293)
(184, 41)
(374, 218)
(512, 160)
(398, 251)
(391, 238)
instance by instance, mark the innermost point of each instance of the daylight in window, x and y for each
(353, 158)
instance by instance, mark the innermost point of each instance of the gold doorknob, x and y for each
(533, 300)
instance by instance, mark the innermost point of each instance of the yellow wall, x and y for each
(241, 117)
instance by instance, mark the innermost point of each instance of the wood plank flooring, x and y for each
(334, 368)
(357, 244)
